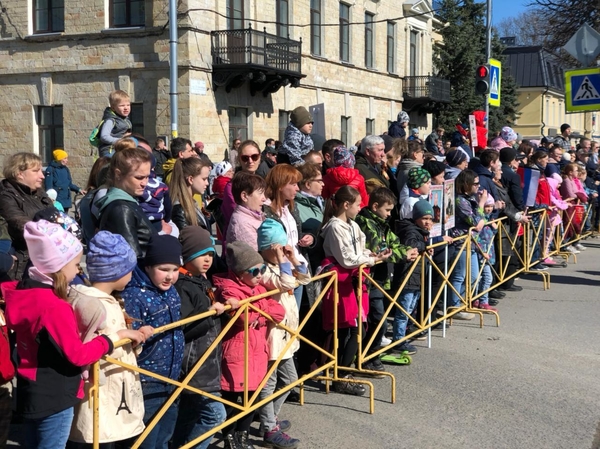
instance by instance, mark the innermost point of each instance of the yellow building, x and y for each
(243, 66)
(541, 94)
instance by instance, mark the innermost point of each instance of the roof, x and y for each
(532, 66)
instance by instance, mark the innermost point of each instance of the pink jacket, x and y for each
(228, 205)
(243, 226)
(555, 197)
(232, 376)
(569, 189)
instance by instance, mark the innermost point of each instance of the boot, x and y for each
(243, 440)
(231, 441)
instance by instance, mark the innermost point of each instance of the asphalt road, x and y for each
(532, 383)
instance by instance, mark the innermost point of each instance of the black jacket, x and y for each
(199, 335)
(160, 157)
(265, 167)
(178, 217)
(512, 183)
(415, 237)
(18, 205)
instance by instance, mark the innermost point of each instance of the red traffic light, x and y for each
(482, 71)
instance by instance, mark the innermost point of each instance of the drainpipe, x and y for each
(173, 66)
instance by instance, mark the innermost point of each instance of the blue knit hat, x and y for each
(271, 232)
(421, 208)
(109, 257)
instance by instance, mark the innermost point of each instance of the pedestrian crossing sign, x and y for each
(582, 90)
(495, 82)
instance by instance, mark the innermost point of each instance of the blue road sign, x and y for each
(495, 82)
(582, 89)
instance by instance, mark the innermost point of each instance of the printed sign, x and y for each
(449, 201)
(436, 198)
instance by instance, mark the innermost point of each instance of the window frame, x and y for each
(128, 22)
(391, 47)
(345, 129)
(55, 141)
(136, 117)
(284, 119)
(413, 53)
(370, 126)
(344, 33)
(234, 23)
(238, 127)
(283, 20)
(49, 8)
(316, 33)
(369, 40)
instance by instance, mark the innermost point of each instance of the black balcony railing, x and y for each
(427, 89)
(252, 47)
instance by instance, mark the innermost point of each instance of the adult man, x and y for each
(431, 142)
(327, 151)
(314, 157)
(397, 129)
(233, 153)
(489, 161)
(368, 162)
(554, 158)
(269, 160)
(180, 149)
(564, 140)
(161, 155)
(546, 144)
(199, 150)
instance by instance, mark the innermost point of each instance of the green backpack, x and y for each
(95, 135)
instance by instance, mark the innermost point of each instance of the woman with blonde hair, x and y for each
(189, 178)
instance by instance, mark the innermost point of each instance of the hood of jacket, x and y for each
(479, 118)
(57, 165)
(140, 280)
(343, 175)
(114, 194)
(406, 164)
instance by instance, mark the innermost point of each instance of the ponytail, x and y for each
(60, 286)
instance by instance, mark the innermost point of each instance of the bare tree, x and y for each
(527, 28)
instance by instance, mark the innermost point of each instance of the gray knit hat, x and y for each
(241, 256)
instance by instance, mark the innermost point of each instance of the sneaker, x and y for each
(279, 439)
(571, 249)
(421, 336)
(493, 302)
(293, 397)
(284, 425)
(549, 261)
(464, 316)
(497, 294)
(484, 306)
(351, 388)
(579, 247)
(513, 288)
(385, 341)
(539, 267)
(405, 347)
(373, 365)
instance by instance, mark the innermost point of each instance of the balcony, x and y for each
(424, 93)
(268, 62)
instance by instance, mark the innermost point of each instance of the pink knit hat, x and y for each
(50, 246)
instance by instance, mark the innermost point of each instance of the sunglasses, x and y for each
(256, 271)
(246, 158)
(475, 183)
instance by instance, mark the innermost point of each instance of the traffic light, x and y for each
(482, 80)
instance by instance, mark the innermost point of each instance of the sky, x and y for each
(507, 8)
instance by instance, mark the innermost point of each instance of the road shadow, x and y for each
(574, 280)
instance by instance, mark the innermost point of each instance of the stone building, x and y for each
(243, 66)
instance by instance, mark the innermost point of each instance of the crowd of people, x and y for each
(147, 224)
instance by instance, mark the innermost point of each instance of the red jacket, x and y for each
(232, 368)
(218, 187)
(342, 176)
(348, 302)
(481, 131)
(49, 348)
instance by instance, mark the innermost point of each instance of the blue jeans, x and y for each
(155, 395)
(51, 432)
(458, 277)
(298, 295)
(485, 282)
(408, 300)
(198, 415)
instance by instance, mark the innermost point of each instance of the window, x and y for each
(315, 27)
(391, 47)
(238, 124)
(344, 32)
(48, 16)
(235, 12)
(369, 40)
(370, 126)
(136, 116)
(283, 11)
(345, 127)
(50, 126)
(284, 119)
(414, 36)
(127, 13)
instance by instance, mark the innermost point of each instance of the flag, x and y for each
(530, 179)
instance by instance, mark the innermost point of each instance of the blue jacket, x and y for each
(396, 130)
(162, 354)
(58, 177)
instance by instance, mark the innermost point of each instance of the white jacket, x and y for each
(274, 279)
(120, 392)
(346, 243)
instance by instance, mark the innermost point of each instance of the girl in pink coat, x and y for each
(246, 268)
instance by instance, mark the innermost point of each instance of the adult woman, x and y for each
(21, 197)
(282, 186)
(248, 160)
(189, 178)
(310, 205)
(119, 210)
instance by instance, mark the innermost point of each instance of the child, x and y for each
(115, 122)
(52, 194)
(413, 232)
(554, 215)
(486, 254)
(156, 204)
(110, 261)
(58, 177)
(373, 221)
(249, 194)
(150, 299)
(296, 141)
(48, 344)
(198, 414)
(246, 268)
(589, 187)
(221, 175)
(345, 250)
(419, 186)
(280, 260)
